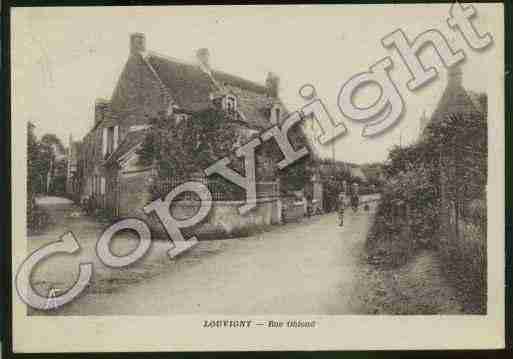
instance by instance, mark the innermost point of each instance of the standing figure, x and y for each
(355, 197)
(340, 208)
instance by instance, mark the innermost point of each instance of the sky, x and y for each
(65, 58)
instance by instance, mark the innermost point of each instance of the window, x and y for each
(180, 117)
(217, 102)
(102, 185)
(93, 185)
(109, 140)
(275, 114)
(230, 103)
(96, 185)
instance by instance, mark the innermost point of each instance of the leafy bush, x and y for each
(37, 219)
(408, 217)
(182, 149)
(386, 245)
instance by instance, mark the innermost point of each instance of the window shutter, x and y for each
(116, 137)
(102, 190)
(104, 142)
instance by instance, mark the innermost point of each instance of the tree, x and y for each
(182, 149)
(463, 143)
(38, 160)
(51, 139)
(39, 156)
(32, 172)
(458, 146)
(51, 150)
(187, 147)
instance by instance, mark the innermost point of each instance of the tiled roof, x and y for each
(191, 88)
(227, 79)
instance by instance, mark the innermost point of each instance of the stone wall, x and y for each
(222, 221)
(294, 209)
(133, 193)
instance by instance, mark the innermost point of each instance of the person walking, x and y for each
(340, 208)
(355, 196)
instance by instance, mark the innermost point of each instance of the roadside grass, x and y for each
(387, 245)
(418, 287)
(464, 263)
(393, 257)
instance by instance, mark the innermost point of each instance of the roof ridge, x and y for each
(180, 61)
(171, 58)
(214, 70)
(162, 86)
(239, 77)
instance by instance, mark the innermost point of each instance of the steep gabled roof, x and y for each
(188, 84)
(191, 87)
(227, 79)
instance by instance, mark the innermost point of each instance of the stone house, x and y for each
(357, 173)
(151, 84)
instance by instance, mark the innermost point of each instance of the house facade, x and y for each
(151, 84)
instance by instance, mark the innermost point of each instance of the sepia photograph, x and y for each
(258, 177)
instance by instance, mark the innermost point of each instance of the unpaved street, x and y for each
(298, 268)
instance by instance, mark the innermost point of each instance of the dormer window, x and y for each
(275, 115)
(230, 103)
(180, 117)
(110, 139)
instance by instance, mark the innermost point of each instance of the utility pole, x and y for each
(49, 175)
(333, 144)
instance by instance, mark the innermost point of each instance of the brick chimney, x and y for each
(203, 57)
(137, 43)
(455, 76)
(101, 110)
(272, 82)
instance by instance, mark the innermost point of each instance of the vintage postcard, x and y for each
(201, 178)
